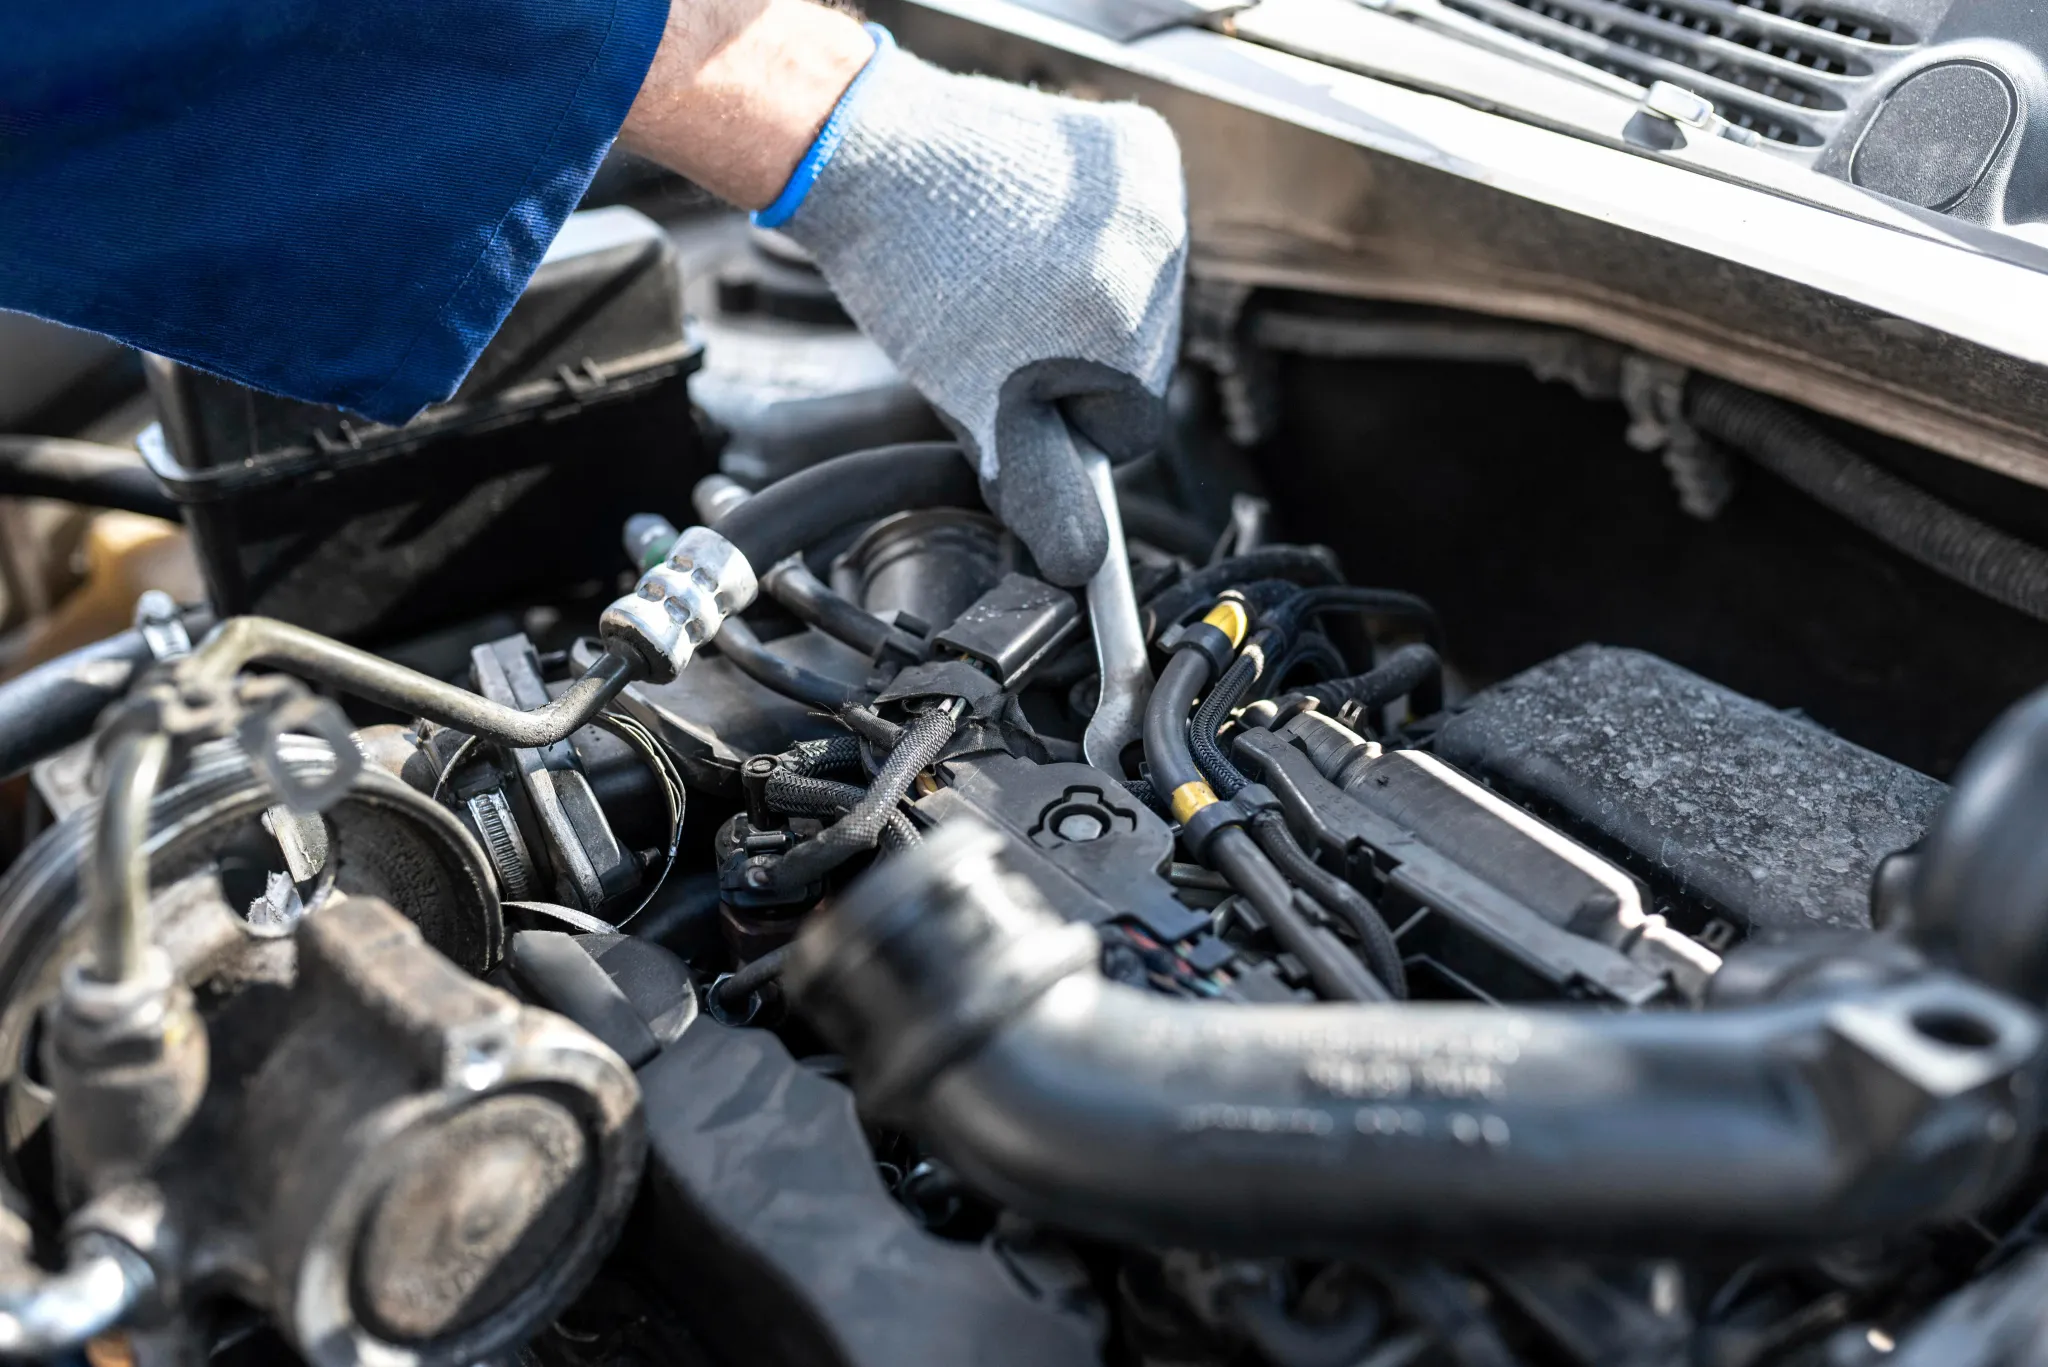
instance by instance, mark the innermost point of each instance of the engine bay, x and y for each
(636, 866)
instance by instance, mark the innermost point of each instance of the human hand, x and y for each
(1019, 255)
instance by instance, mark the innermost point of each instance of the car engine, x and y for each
(636, 866)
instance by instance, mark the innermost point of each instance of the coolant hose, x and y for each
(1334, 969)
(977, 1019)
(1904, 517)
(796, 513)
(80, 472)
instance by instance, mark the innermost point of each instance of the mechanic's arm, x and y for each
(341, 201)
(1018, 255)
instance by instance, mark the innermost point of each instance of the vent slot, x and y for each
(1782, 69)
(1832, 21)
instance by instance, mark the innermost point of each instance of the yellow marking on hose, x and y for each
(1230, 618)
(1190, 798)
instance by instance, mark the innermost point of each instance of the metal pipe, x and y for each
(46, 1314)
(120, 869)
(239, 642)
(975, 1017)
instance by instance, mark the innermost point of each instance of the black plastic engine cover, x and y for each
(1759, 815)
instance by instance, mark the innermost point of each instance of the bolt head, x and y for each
(1079, 826)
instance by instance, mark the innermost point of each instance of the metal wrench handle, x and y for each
(1119, 636)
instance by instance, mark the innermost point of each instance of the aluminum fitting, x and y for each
(681, 603)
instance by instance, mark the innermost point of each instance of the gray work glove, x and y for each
(1019, 256)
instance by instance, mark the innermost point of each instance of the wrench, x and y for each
(1119, 638)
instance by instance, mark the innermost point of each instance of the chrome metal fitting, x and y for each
(162, 627)
(681, 603)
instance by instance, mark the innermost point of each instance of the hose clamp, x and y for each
(1205, 819)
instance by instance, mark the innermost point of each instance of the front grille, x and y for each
(1784, 70)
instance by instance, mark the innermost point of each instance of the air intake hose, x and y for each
(976, 1018)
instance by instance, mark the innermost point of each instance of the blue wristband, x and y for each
(827, 142)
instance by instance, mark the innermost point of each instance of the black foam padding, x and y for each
(769, 1221)
(1935, 135)
(1760, 815)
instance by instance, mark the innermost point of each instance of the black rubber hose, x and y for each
(1215, 710)
(1305, 565)
(1331, 966)
(1372, 602)
(1375, 936)
(922, 742)
(978, 1019)
(81, 472)
(816, 758)
(1170, 764)
(800, 795)
(56, 703)
(1285, 1341)
(811, 601)
(796, 513)
(1334, 969)
(1906, 518)
(1413, 669)
(737, 642)
(1979, 895)
(1160, 524)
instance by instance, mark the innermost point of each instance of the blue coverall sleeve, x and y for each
(338, 200)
